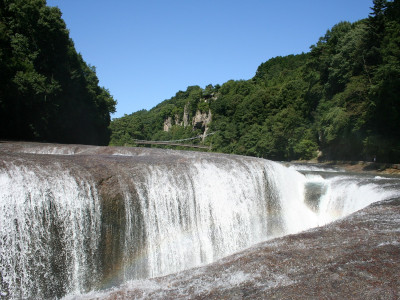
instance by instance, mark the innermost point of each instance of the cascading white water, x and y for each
(49, 231)
(208, 210)
(196, 215)
(178, 215)
(290, 185)
(333, 195)
(343, 195)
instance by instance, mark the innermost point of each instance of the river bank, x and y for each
(357, 166)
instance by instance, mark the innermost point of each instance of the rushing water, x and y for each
(176, 216)
(49, 231)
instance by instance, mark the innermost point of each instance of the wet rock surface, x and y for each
(354, 258)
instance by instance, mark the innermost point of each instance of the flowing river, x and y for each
(74, 219)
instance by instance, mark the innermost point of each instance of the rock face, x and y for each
(186, 115)
(201, 120)
(354, 258)
(167, 124)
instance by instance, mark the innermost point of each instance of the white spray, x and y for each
(49, 231)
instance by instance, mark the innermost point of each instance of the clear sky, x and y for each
(146, 51)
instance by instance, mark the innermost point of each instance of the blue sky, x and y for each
(146, 51)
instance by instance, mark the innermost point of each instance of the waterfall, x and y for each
(65, 230)
(200, 213)
(343, 195)
(49, 231)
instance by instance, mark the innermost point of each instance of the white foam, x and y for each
(33, 203)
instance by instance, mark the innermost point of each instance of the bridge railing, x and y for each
(177, 142)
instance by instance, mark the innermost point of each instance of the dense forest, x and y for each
(341, 100)
(47, 91)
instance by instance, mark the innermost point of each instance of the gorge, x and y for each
(79, 221)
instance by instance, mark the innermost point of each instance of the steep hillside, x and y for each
(339, 101)
(47, 91)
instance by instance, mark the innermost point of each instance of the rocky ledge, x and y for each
(354, 258)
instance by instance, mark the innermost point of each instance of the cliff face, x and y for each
(167, 124)
(201, 120)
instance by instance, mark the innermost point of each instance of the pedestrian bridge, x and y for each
(178, 143)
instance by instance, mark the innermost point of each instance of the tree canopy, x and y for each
(47, 91)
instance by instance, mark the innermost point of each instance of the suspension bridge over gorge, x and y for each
(179, 143)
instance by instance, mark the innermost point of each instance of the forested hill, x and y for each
(339, 101)
(47, 91)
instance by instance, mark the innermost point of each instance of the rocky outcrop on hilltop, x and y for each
(200, 120)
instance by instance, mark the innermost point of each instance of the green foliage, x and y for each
(203, 106)
(341, 99)
(47, 91)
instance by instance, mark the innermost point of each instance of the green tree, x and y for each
(47, 92)
(339, 100)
